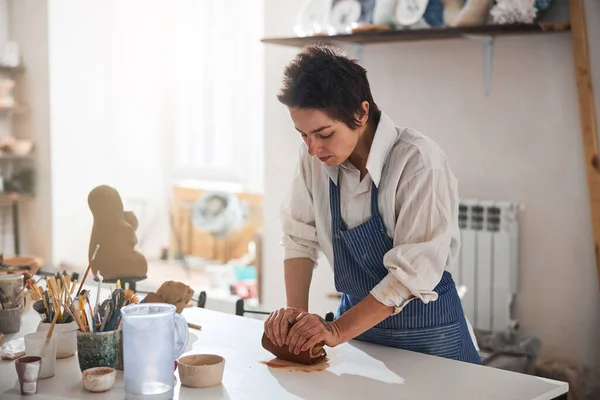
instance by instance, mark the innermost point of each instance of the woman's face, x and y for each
(329, 140)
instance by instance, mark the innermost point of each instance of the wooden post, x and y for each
(587, 116)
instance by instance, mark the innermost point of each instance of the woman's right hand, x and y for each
(276, 325)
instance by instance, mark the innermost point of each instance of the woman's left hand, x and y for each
(309, 330)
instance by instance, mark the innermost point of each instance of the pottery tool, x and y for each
(99, 277)
(87, 271)
(107, 307)
(193, 326)
(118, 298)
(91, 324)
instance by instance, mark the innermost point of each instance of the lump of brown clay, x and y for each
(176, 293)
(171, 292)
(311, 356)
(114, 230)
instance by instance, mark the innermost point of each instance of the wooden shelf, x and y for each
(422, 34)
(6, 68)
(8, 198)
(9, 156)
(15, 110)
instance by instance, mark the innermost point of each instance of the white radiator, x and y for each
(487, 262)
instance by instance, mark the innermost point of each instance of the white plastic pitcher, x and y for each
(154, 336)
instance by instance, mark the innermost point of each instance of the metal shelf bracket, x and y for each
(488, 59)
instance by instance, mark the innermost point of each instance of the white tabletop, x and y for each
(357, 370)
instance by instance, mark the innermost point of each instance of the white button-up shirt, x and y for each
(418, 202)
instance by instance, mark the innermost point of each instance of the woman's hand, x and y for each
(276, 325)
(309, 330)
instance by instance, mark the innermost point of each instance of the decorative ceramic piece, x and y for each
(114, 230)
(312, 19)
(99, 379)
(409, 12)
(383, 12)
(98, 349)
(6, 95)
(11, 55)
(10, 320)
(201, 370)
(28, 370)
(67, 337)
(10, 286)
(345, 14)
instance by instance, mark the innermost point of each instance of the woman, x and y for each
(381, 203)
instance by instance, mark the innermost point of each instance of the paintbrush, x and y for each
(18, 298)
(49, 335)
(72, 314)
(87, 271)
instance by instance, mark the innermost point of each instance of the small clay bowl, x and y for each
(99, 379)
(201, 370)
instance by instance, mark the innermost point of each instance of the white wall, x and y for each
(522, 143)
(106, 127)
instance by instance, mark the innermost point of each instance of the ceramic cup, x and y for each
(11, 285)
(28, 370)
(98, 349)
(10, 320)
(36, 344)
(201, 370)
(66, 345)
(99, 379)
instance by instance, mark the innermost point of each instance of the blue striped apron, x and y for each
(438, 328)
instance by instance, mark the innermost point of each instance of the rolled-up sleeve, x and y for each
(422, 238)
(297, 216)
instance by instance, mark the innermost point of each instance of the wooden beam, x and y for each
(587, 116)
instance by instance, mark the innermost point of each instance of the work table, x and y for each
(356, 370)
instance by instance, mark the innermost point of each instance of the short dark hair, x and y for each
(321, 77)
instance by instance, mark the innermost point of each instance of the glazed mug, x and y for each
(28, 370)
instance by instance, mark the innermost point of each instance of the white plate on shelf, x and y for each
(409, 12)
(345, 14)
(313, 18)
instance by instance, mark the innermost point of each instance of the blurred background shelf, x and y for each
(14, 110)
(386, 36)
(6, 68)
(9, 156)
(8, 198)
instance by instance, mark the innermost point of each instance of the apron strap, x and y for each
(375, 208)
(334, 206)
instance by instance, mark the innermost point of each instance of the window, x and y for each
(218, 85)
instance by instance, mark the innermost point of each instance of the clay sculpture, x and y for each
(114, 230)
(313, 355)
